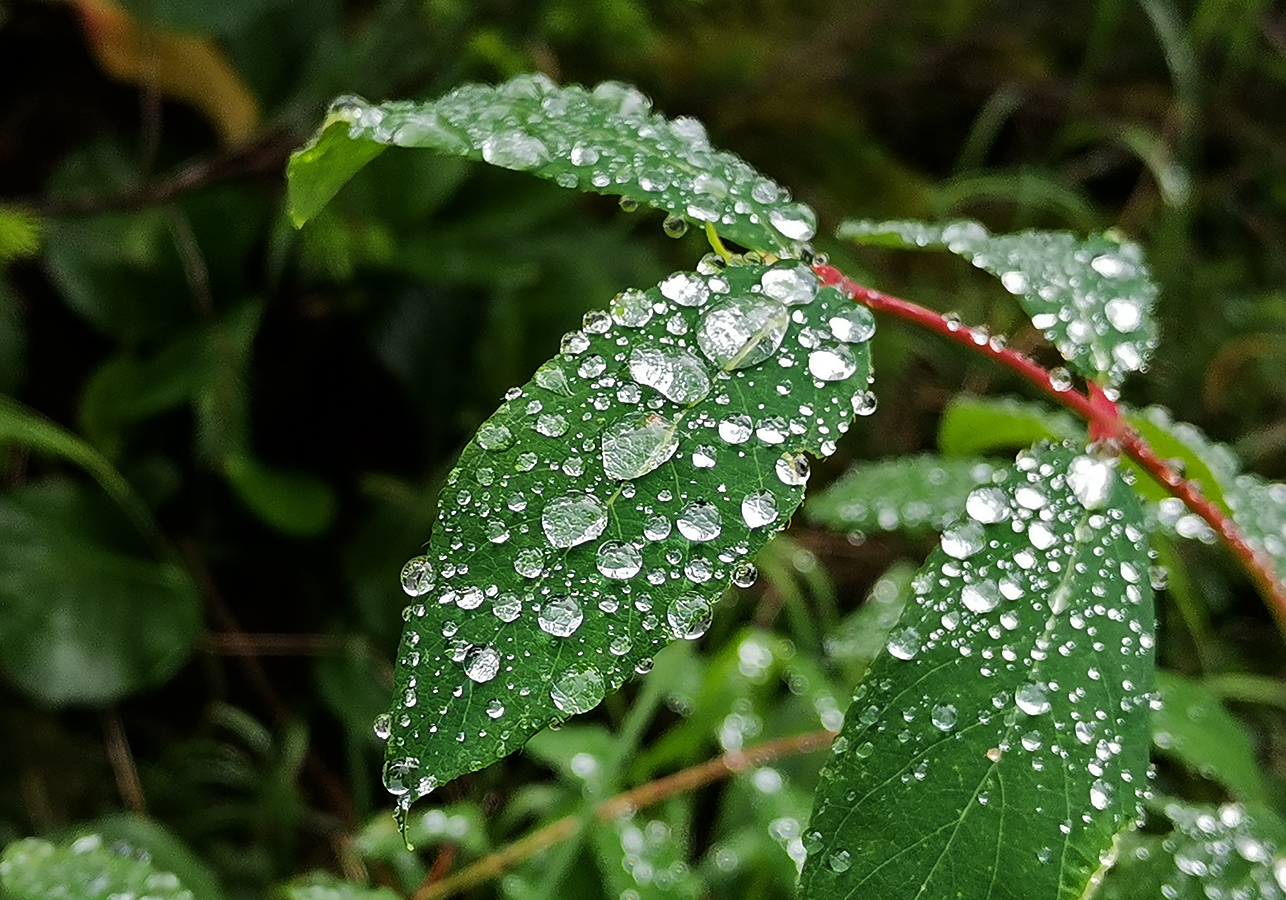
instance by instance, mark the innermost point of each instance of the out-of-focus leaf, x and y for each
(85, 615)
(1194, 727)
(325, 886)
(602, 510)
(605, 140)
(164, 850)
(1091, 297)
(972, 426)
(1001, 743)
(87, 868)
(226, 16)
(645, 855)
(294, 502)
(860, 638)
(1206, 463)
(19, 235)
(915, 494)
(13, 343)
(184, 66)
(1229, 851)
(581, 754)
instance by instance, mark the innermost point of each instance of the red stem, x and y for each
(1096, 408)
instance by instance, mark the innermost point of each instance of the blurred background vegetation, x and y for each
(242, 428)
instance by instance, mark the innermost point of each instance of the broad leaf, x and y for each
(1193, 726)
(1001, 743)
(325, 886)
(972, 426)
(608, 502)
(915, 494)
(1229, 851)
(605, 140)
(1209, 465)
(1091, 297)
(87, 868)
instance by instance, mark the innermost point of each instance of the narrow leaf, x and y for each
(973, 426)
(915, 494)
(605, 140)
(1001, 743)
(87, 868)
(1194, 727)
(1091, 297)
(600, 511)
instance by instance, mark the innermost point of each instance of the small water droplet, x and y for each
(492, 436)
(794, 220)
(529, 563)
(685, 289)
(904, 643)
(495, 709)
(417, 576)
(794, 284)
(865, 403)
(944, 717)
(578, 691)
(853, 324)
(744, 575)
(689, 617)
(560, 616)
(839, 862)
(656, 528)
(1091, 481)
(1100, 794)
(736, 429)
(675, 225)
(507, 607)
(982, 597)
(962, 540)
(514, 150)
(632, 309)
(383, 726)
(699, 521)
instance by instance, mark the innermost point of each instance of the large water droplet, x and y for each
(685, 289)
(619, 560)
(1032, 699)
(853, 324)
(383, 726)
(400, 773)
(904, 643)
(962, 540)
(689, 617)
(832, 362)
(632, 309)
(744, 574)
(656, 528)
(637, 444)
(578, 691)
(699, 521)
(560, 616)
(492, 436)
(1101, 794)
(676, 374)
(792, 468)
(793, 284)
(1124, 314)
(1090, 480)
(987, 505)
(944, 717)
(742, 331)
(573, 519)
(736, 429)
(507, 607)
(982, 597)
(514, 150)
(759, 509)
(794, 220)
(417, 576)
(481, 663)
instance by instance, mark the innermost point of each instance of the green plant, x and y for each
(676, 421)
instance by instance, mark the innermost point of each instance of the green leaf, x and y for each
(605, 140)
(1091, 297)
(1206, 463)
(87, 868)
(1214, 851)
(597, 515)
(85, 615)
(646, 856)
(163, 848)
(972, 426)
(19, 235)
(1001, 743)
(916, 494)
(294, 502)
(325, 886)
(1193, 726)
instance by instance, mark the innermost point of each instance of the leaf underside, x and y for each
(603, 140)
(609, 501)
(1092, 297)
(999, 745)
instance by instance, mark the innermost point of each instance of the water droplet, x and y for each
(759, 509)
(494, 437)
(839, 862)
(620, 645)
(495, 709)
(417, 576)
(943, 717)
(514, 150)
(529, 563)
(507, 607)
(383, 726)
(794, 220)
(400, 773)
(705, 457)
(982, 597)
(792, 468)
(619, 560)
(742, 331)
(736, 429)
(675, 225)
(1091, 481)
(628, 204)
(833, 362)
(573, 519)
(685, 289)
(574, 343)
(1014, 281)
(481, 663)
(853, 324)
(689, 617)
(865, 403)
(904, 644)
(744, 575)
(699, 521)
(635, 445)
(794, 284)
(676, 374)
(656, 528)
(560, 616)
(632, 309)
(1060, 379)
(1032, 699)
(1125, 315)
(1100, 794)
(578, 691)
(551, 425)
(962, 540)
(987, 505)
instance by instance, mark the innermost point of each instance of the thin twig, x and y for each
(243, 644)
(1100, 412)
(683, 782)
(122, 760)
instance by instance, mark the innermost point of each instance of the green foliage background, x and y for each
(279, 409)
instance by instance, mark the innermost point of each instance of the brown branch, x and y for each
(122, 760)
(687, 780)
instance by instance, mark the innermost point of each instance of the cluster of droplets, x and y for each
(1218, 852)
(1040, 590)
(604, 139)
(1093, 298)
(88, 866)
(563, 559)
(907, 494)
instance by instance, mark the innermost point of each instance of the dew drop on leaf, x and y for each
(507, 607)
(759, 509)
(656, 528)
(494, 437)
(689, 617)
(1091, 481)
(795, 221)
(578, 691)
(904, 644)
(742, 331)
(944, 717)
(482, 663)
(685, 289)
(982, 597)
(632, 309)
(793, 284)
(676, 374)
(1032, 699)
(637, 444)
(560, 616)
(699, 521)
(792, 469)
(619, 560)
(573, 519)
(853, 324)
(833, 362)
(736, 429)
(988, 505)
(383, 726)
(495, 709)
(514, 150)
(744, 575)
(962, 540)
(417, 576)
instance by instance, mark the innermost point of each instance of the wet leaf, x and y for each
(915, 494)
(972, 426)
(325, 886)
(1001, 742)
(87, 868)
(645, 855)
(598, 514)
(605, 140)
(1194, 727)
(1092, 297)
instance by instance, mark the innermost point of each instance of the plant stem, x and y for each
(682, 782)
(1097, 409)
